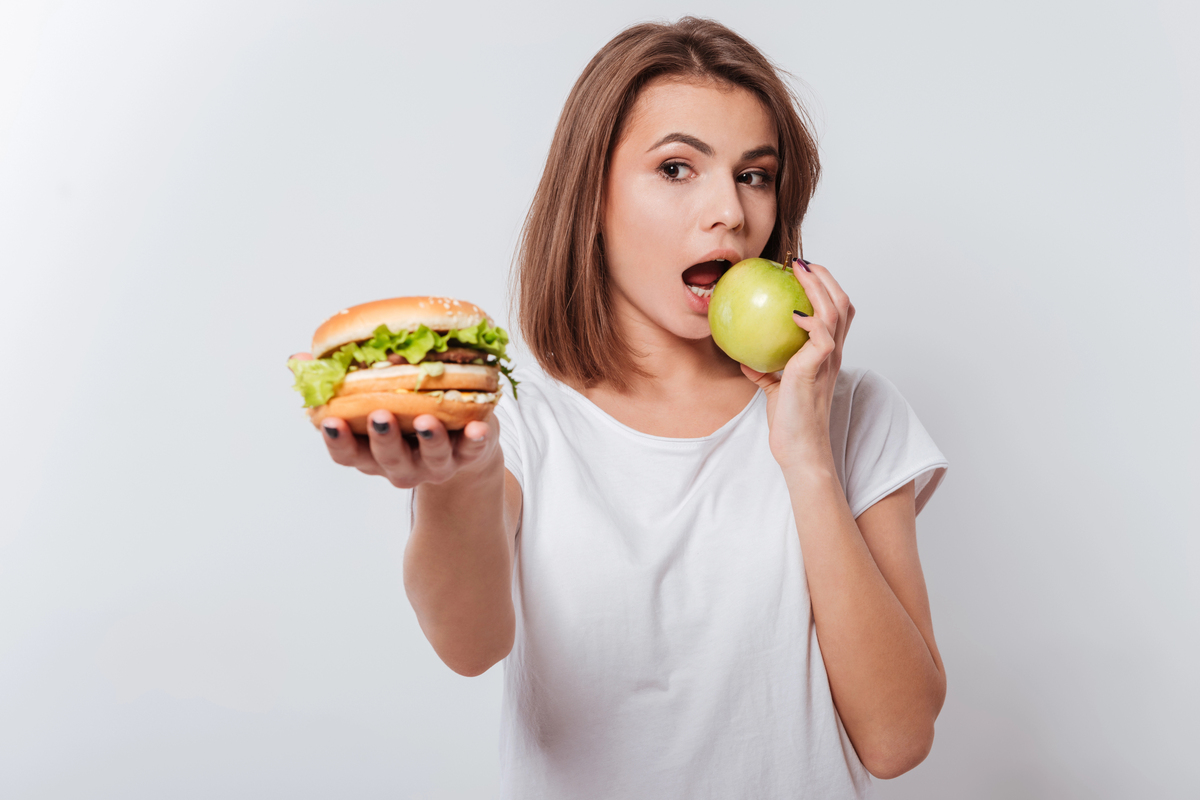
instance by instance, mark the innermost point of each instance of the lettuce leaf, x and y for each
(506, 371)
(431, 369)
(318, 380)
(482, 337)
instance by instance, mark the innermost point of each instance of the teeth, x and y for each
(696, 290)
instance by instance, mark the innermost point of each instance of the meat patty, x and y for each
(457, 355)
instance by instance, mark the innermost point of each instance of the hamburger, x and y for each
(407, 355)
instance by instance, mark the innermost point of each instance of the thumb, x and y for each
(765, 380)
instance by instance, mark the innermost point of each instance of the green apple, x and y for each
(750, 314)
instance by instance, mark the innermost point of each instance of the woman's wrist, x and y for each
(808, 463)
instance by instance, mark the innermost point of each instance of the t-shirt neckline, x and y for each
(612, 422)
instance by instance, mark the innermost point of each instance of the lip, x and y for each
(732, 256)
(695, 302)
(700, 304)
(728, 255)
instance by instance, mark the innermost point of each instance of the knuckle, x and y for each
(442, 469)
(436, 453)
(364, 462)
(400, 481)
(387, 457)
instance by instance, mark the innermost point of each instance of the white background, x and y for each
(195, 602)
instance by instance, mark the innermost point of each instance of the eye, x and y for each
(755, 178)
(675, 171)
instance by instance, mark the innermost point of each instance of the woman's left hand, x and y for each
(800, 397)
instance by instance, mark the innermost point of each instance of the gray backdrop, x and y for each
(195, 602)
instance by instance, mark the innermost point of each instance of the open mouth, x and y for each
(701, 278)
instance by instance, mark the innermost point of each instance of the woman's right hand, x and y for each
(434, 455)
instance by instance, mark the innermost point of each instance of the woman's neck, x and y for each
(689, 388)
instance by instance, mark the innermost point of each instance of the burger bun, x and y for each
(406, 406)
(359, 322)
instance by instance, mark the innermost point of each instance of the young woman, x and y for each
(704, 579)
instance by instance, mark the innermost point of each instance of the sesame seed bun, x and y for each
(358, 323)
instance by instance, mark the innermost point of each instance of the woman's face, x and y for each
(690, 192)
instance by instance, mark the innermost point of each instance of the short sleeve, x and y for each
(886, 446)
(511, 436)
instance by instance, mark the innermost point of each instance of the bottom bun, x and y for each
(407, 406)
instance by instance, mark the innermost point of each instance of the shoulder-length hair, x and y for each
(565, 308)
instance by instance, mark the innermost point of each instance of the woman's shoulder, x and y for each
(867, 407)
(534, 414)
(881, 441)
(861, 390)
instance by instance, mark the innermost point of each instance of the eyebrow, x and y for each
(759, 152)
(693, 142)
(682, 138)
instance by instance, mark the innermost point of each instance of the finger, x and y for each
(389, 449)
(762, 379)
(476, 440)
(344, 448)
(818, 294)
(299, 357)
(830, 283)
(809, 358)
(436, 457)
(840, 299)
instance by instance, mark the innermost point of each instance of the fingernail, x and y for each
(476, 438)
(380, 427)
(804, 264)
(799, 313)
(331, 432)
(424, 434)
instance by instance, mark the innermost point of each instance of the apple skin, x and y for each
(750, 314)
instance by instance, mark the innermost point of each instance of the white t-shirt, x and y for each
(665, 644)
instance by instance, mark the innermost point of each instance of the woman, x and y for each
(704, 579)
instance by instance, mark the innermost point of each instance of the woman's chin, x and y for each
(690, 328)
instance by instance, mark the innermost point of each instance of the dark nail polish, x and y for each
(425, 434)
(380, 427)
(804, 264)
(332, 433)
(799, 313)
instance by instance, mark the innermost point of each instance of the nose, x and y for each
(723, 206)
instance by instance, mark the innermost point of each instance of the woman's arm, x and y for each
(458, 564)
(865, 582)
(872, 617)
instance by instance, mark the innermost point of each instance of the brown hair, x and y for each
(565, 308)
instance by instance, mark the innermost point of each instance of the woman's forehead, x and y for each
(720, 111)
